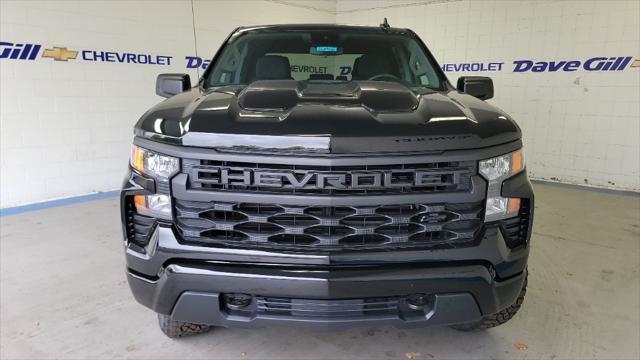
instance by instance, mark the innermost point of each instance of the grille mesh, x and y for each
(327, 308)
(327, 227)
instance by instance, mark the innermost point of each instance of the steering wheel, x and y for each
(383, 76)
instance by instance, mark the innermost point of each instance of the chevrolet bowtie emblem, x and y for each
(60, 54)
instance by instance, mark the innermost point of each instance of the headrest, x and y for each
(273, 67)
(369, 65)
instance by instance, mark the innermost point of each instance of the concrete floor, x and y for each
(64, 295)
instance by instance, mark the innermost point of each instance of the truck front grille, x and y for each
(215, 175)
(277, 226)
(310, 308)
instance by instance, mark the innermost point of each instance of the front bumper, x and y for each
(189, 284)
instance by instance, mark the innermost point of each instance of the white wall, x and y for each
(66, 127)
(579, 127)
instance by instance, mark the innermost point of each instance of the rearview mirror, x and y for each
(478, 86)
(168, 85)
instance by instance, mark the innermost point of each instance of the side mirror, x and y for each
(478, 86)
(168, 85)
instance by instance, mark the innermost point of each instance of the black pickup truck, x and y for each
(327, 176)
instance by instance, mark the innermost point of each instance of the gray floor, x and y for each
(64, 295)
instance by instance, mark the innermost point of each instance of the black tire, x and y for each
(498, 318)
(175, 329)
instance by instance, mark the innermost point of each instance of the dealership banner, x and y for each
(32, 51)
(598, 63)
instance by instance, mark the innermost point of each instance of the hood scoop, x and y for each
(282, 95)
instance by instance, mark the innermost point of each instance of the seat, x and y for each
(369, 65)
(273, 67)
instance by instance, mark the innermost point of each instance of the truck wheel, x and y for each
(498, 318)
(175, 329)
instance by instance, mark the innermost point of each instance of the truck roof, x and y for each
(285, 27)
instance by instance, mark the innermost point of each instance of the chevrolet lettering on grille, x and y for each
(322, 180)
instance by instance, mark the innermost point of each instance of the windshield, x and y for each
(323, 56)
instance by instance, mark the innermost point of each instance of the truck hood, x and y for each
(340, 118)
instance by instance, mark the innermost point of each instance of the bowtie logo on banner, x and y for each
(59, 54)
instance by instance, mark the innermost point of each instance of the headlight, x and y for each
(152, 163)
(496, 170)
(502, 167)
(158, 206)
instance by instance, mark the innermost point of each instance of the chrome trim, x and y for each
(298, 143)
(322, 158)
(452, 118)
(178, 269)
(138, 277)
